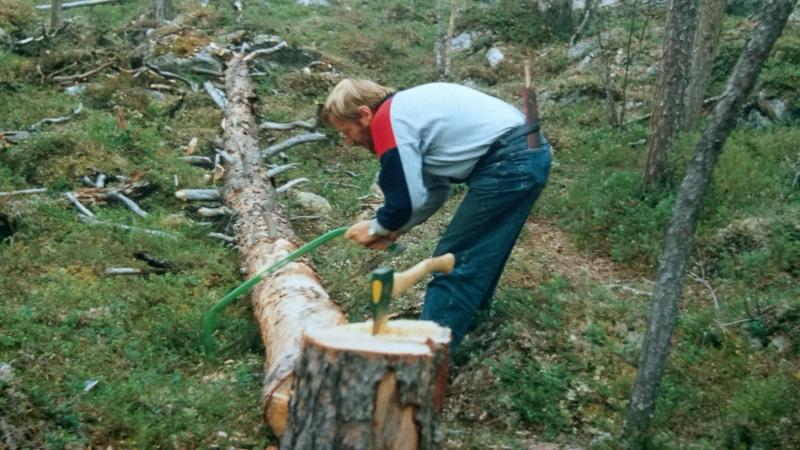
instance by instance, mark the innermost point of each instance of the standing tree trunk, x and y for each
(291, 299)
(669, 109)
(678, 242)
(163, 10)
(357, 391)
(55, 14)
(448, 42)
(706, 39)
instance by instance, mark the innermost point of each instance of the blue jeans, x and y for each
(502, 190)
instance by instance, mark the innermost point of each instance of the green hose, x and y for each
(210, 319)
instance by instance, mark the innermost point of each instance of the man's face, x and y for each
(356, 131)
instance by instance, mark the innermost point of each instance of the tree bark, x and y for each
(358, 391)
(290, 300)
(669, 109)
(55, 14)
(706, 39)
(680, 235)
(163, 10)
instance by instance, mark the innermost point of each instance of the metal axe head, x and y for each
(382, 281)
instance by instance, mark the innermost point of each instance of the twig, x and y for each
(215, 212)
(273, 150)
(53, 120)
(84, 210)
(265, 51)
(82, 76)
(133, 271)
(217, 95)
(307, 124)
(78, 4)
(93, 221)
(291, 184)
(305, 217)
(192, 85)
(708, 286)
(223, 237)
(198, 194)
(128, 202)
(199, 161)
(23, 192)
(275, 170)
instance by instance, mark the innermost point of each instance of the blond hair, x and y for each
(349, 94)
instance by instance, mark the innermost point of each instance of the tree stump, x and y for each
(353, 390)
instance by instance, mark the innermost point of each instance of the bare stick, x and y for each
(84, 210)
(82, 76)
(291, 184)
(224, 155)
(78, 4)
(265, 51)
(198, 194)
(15, 137)
(133, 271)
(307, 124)
(93, 221)
(280, 169)
(215, 212)
(100, 181)
(129, 203)
(223, 237)
(23, 192)
(53, 120)
(199, 161)
(203, 71)
(304, 218)
(708, 286)
(273, 150)
(192, 85)
(217, 95)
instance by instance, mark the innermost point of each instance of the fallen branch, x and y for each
(199, 161)
(133, 271)
(92, 221)
(265, 51)
(14, 137)
(82, 76)
(307, 124)
(224, 155)
(23, 192)
(273, 150)
(215, 212)
(280, 169)
(708, 286)
(223, 237)
(129, 203)
(217, 95)
(75, 112)
(198, 194)
(78, 4)
(84, 210)
(154, 262)
(290, 184)
(192, 85)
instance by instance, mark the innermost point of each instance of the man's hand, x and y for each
(359, 233)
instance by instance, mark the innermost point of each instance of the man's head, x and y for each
(351, 106)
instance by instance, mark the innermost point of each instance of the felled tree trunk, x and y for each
(292, 299)
(353, 390)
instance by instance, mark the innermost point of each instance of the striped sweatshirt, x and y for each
(426, 137)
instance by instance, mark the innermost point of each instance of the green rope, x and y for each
(210, 319)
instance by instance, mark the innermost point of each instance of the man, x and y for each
(426, 138)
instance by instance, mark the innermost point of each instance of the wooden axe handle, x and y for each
(404, 280)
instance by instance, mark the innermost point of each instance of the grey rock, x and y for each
(494, 56)
(312, 203)
(756, 343)
(462, 42)
(6, 373)
(652, 71)
(76, 90)
(580, 50)
(586, 63)
(754, 119)
(780, 343)
(602, 438)
(156, 95)
(205, 60)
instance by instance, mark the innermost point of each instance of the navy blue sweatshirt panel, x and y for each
(397, 208)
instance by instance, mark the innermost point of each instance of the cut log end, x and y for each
(384, 389)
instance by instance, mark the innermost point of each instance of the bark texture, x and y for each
(680, 235)
(292, 298)
(357, 391)
(706, 40)
(55, 14)
(163, 10)
(669, 109)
